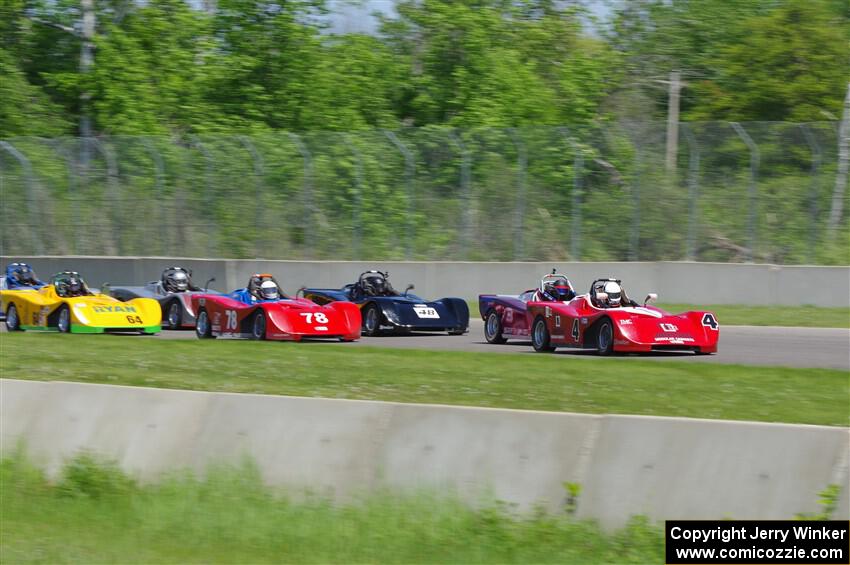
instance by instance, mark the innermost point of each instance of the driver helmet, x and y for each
(376, 284)
(559, 289)
(614, 292)
(268, 291)
(24, 275)
(176, 281)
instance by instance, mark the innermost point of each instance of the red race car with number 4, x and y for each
(263, 311)
(605, 319)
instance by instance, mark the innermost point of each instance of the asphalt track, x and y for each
(827, 348)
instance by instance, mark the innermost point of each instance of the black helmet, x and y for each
(175, 279)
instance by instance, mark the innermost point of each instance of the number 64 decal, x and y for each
(318, 317)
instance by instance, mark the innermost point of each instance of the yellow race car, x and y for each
(67, 305)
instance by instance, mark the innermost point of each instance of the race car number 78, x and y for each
(319, 317)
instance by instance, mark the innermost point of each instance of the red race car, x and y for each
(507, 317)
(605, 319)
(263, 311)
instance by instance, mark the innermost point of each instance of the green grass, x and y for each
(799, 316)
(95, 514)
(737, 315)
(527, 381)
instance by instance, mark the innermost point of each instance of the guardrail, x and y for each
(688, 282)
(665, 468)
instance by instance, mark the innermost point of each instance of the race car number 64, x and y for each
(318, 317)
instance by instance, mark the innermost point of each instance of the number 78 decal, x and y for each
(319, 317)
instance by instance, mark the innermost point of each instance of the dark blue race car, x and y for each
(384, 308)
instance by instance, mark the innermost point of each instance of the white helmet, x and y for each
(268, 290)
(614, 293)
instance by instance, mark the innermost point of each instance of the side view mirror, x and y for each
(651, 297)
(409, 287)
(207, 284)
(105, 289)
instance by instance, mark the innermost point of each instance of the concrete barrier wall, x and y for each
(704, 283)
(665, 468)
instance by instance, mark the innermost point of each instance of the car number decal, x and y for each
(424, 311)
(708, 320)
(315, 317)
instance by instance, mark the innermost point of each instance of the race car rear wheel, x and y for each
(493, 327)
(605, 337)
(63, 321)
(371, 320)
(173, 316)
(258, 325)
(13, 322)
(540, 337)
(202, 327)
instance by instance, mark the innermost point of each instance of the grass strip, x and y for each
(791, 316)
(96, 514)
(743, 315)
(524, 381)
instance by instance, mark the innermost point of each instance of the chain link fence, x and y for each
(758, 192)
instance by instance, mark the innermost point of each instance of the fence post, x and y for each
(55, 144)
(259, 175)
(755, 157)
(357, 211)
(159, 166)
(114, 192)
(409, 174)
(31, 194)
(466, 198)
(306, 191)
(519, 214)
(195, 142)
(575, 212)
(693, 191)
(817, 156)
(634, 237)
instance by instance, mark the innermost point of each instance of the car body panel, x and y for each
(94, 313)
(154, 290)
(290, 319)
(512, 311)
(405, 312)
(635, 329)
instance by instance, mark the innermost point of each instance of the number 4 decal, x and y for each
(708, 320)
(575, 329)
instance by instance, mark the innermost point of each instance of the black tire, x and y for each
(63, 319)
(493, 327)
(540, 338)
(605, 337)
(203, 329)
(13, 321)
(172, 315)
(258, 325)
(371, 320)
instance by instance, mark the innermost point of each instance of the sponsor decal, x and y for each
(509, 315)
(114, 309)
(424, 311)
(321, 328)
(557, 321)
(626, 322)
(620, 342)
(670, 328)
(584, 321)
(507, 330)
(548, 312)
(674, 340)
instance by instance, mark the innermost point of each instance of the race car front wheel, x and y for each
(258, 325)
(605, 338)
(63, 323)
(371, 320)
(173, 315)
(493, 328)
(13, 323)
(540, 337)
(202, 327)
